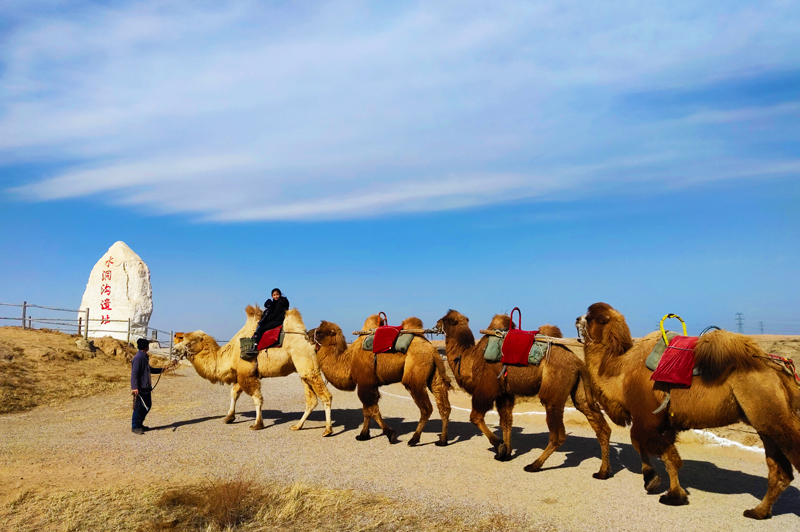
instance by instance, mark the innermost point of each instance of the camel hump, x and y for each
(501, 321)
(412, 322)
(551, 330)
(372, 322)
(720, 353)
(253, 311)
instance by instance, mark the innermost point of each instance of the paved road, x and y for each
(88, 442)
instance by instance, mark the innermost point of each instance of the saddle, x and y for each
(271, 338)
(672, 359)
(517, 344)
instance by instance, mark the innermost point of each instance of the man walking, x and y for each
(141, 386)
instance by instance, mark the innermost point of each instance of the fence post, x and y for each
(155, 335)
(171, 340)
(129, 330)
(30, 322)
(24, 309)
(80, 320)
(86, 329)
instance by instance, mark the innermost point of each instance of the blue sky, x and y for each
(408, 158)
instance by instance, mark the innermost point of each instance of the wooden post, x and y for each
(171, 340)
(24, 310)
(155, 335)
(129, 330)
(30, 322)
(80, 320)
(86, 329)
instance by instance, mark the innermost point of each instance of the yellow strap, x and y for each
(664, 333)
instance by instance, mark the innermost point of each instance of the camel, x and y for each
(559, 376)
(738, 382)
(224, 366)
(420, 369)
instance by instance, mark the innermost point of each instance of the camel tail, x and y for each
(720, 353)
(442, 370)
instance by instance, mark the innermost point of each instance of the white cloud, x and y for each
(347, 109)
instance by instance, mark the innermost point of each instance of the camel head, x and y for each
(603, 325)
(451, 320)
(195, 343)
(330, 334)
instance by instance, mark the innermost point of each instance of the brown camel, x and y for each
(420, 369)
(559, 376)
(738, 382)
(223, 365)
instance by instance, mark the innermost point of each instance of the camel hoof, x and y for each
(391, 434)
(602, 475)
(503, 453)
(673, 500)
(441, 443)
(413, 441)
(533, 468)
(295, 427)
(257, 426)
(652, 482)
(362, 437)
(228, 419)
(328, 432)
(753, 514)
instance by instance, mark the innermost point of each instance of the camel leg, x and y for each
(558, 434)
(324, 394)
(676, 495)
(258, 400)
(505, 407)
(779, 478)
(236, 391)
(311, 403)
(369, 396)
(477, 417)
(423, 402)
(440, 392)
(586, 406)
(651, 479)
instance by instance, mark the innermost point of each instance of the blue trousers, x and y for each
(141, 410)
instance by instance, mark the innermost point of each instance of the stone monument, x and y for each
(118, 290)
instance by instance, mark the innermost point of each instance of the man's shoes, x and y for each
(145, 427)
(138, 430)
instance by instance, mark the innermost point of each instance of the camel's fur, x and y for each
(420, 370)
(559, 376)
(223, 365)
(736, 384)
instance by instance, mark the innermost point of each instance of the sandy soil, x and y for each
(86, 442)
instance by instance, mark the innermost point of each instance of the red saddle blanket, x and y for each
(677, 362)
(270, 338)
(517, 346)
(385, 337)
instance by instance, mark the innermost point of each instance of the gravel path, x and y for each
(87, 442)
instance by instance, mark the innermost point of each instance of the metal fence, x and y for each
(78, 325)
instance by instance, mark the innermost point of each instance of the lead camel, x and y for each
(559, 376)
(223, 365)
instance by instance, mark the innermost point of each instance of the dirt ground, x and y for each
(80, 439)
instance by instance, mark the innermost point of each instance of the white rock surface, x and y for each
(118, 289)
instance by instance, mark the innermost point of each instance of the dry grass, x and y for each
(43, 367)
(235, 504)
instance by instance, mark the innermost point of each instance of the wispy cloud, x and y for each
(253, 111)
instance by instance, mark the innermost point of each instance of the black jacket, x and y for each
(273, 315)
